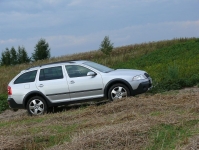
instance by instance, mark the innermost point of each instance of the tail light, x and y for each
(9, 90)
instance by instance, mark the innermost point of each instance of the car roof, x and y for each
(55, 64)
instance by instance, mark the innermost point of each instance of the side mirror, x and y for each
(91, 74)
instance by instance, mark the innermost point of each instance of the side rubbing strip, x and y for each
(73, 92)
(57, 94)
(86, 91)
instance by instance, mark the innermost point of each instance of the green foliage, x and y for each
(106, 46)
(3, 102)
(42, 50)
(167, 136)
(171, 67)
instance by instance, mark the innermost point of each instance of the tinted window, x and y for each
(26, 77)
(51, 73)
(76, 71)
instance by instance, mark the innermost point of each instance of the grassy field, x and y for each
(150, 121)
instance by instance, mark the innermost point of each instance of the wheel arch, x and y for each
(32, 94)
(116, 81)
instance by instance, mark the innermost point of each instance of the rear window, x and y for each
(51, 73)
(26, 77)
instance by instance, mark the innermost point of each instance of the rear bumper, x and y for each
(142, 88)
(14, 105)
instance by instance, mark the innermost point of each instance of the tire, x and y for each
(36, 106)
(118, 91)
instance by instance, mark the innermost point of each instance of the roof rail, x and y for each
(65, 61)
(57, 62)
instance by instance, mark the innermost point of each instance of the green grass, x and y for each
(167, 136)
(61, 134)
(156, 113)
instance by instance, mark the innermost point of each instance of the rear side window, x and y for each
(51, 73)
(26, 77)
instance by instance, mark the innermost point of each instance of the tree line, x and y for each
(19, 56)
(41, 51)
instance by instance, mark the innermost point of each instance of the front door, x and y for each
(82, 86)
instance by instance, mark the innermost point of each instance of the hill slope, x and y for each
(162, 121)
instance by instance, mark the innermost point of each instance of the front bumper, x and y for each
(142, 88)
(14, 105)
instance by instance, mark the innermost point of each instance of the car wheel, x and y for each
(118, 91)
(36, 106)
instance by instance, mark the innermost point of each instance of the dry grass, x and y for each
(123, 124)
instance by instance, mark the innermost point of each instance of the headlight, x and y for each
(139, 77)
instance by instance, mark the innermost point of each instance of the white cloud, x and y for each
(9, 41)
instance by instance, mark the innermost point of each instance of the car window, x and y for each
(76, 71)
(51, 73)
(99, 67)
(26, 77)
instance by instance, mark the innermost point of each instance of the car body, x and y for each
(39, 88)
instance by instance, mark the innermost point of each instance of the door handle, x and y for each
(72, 82)
(41, 85)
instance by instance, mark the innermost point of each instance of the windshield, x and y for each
(98, 67)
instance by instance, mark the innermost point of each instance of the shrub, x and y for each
(3, 102)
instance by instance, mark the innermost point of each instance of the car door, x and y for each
(52, 82)
(81, 85)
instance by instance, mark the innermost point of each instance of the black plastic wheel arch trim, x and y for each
(115, 81)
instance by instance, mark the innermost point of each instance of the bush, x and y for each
(3, 102)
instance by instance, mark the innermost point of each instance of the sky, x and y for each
(75, 26)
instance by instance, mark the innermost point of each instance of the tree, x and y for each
(3, 58)
(106, 46)
(22, 56)
(42, 50)
(6, 57)
(13, 56)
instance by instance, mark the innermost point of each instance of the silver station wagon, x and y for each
(39, 88)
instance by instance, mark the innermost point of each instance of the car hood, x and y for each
(126, 72)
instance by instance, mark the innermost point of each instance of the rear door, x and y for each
(52, 82)
(82, 86)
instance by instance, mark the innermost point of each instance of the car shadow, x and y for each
(63, 108)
